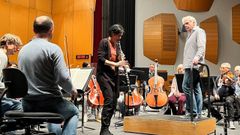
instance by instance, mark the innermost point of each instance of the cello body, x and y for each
(95, 96)
(156, 98)
(134, 99)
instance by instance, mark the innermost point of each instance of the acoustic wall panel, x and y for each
(193, 5)
(236, 23)
(210, 26)
(161, 38)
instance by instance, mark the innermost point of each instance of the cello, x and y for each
(95, 96)
(133, 98)
(156, 98)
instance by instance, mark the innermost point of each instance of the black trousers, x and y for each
(110, 94)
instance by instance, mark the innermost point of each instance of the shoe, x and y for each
(105, 132)
(85, 118)
(98, 116)
(188, 116)
(231, 125)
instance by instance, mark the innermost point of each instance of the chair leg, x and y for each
(225, 120)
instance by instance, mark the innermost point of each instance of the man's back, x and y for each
(43, 64)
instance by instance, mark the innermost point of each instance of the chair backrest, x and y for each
(16, 82)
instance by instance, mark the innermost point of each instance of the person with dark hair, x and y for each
(45, 70)
(9, 45)
(110, 57)
(85, 65)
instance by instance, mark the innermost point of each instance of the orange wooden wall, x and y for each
(18, 15)
(73, 18)
(74, 22)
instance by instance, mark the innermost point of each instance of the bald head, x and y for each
(43, 25)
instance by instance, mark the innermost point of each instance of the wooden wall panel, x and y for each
(74, 18)
(4, 13)
(24, 3)
(161, 38)
(18, 18)
(31, 17)
(18, 24)
(84, 5)
(63, 34)
(236, 23)
(44, 5)
(62, 6)
(193, 5)
(210, 26)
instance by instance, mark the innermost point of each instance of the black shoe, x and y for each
(105, 132)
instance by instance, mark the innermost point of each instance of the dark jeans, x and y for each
(227, 92)
(54, 104)
(10, 104)
(197, 92)
(215, 113)
(110, 95)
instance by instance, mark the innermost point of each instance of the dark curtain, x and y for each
(122, 12)
(97, 29)
(109, 12)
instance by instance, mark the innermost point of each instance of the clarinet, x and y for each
(122, 57)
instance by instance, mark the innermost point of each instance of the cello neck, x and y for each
(155, 75)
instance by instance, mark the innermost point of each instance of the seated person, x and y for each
(237, 88)
(237, 80)
(151, 70)
(45, 70)
(175, 96)
(226, 90)
(9, 45)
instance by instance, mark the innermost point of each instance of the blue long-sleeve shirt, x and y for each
(43, 64)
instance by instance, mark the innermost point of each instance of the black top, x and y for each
(104, 53)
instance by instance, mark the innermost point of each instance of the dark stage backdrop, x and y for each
(117, 11)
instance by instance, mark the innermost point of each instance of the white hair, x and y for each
(226, 65)
(237, 68)
(189, 18)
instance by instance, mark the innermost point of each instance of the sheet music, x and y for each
(80, 77)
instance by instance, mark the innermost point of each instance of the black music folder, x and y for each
(179, 79)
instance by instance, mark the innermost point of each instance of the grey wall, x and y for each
(229, 51)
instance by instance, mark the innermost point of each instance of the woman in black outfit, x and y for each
(109, 59)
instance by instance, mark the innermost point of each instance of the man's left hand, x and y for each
(195, 61)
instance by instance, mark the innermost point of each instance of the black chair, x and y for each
(17, 87)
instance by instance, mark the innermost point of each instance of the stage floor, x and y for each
(120, 131)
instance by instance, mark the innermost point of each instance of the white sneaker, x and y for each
(231, 125)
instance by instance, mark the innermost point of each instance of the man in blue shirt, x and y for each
(43, 64)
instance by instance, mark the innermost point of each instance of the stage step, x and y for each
(168, 125)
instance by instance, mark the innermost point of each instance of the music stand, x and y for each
(163, 74)
(80, 79)
(204, 85)
(126, 89)
(179, 79)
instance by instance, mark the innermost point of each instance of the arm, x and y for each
(103, 52)
(201, 45)
(61, 72)
(173, 87)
